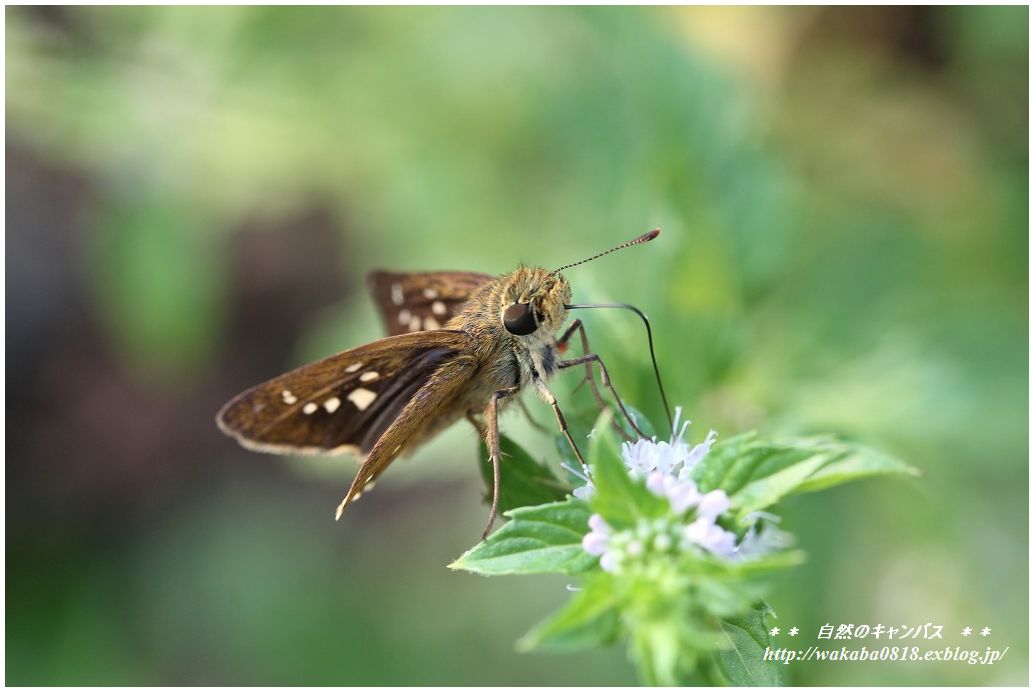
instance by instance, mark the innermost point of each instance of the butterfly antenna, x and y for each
(644, 238)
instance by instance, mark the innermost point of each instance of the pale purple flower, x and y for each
(697, 453)
(586, 491)
(666, 468)
(713, 504)
(609, 562)
(681, 494)
(708, 535)
(595, 542)
(674, 458)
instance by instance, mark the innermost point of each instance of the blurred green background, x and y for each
(195, 194)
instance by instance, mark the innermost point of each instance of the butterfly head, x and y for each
(533, 299)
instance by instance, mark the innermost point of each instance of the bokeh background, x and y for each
(195, 194)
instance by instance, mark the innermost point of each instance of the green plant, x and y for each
(674, 545)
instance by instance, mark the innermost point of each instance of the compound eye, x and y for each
(518, 319)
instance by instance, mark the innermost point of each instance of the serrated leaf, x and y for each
(856, 463)
(523, 482)
(536, 540)
(731, 464)
(758, 474)
(588, 619)
(768, 490)
(742, 663)
(618, 498)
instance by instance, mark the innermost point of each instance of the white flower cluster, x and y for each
(666, 468)
(672, 460)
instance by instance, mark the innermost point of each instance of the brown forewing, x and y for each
(345, 401)
(422, 301)
(419, 411)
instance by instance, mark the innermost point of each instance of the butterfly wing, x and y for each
(413, 421)
(420, 301)
(346, 401)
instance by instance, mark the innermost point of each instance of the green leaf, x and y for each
(758, 474)
(620, 499)
(855, 463)
(588, 620)
(742, 663)
(523, 482)
(733, 463)
(537, 540)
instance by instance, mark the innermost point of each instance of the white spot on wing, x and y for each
(430, 293)
(438, 307)
(353, 367)
(431, 323)
(396, 294)
(369, 376)
(362, 398)
(288, 397)
(414, 324)
(332, 404)
(403, 316)
(309, 408)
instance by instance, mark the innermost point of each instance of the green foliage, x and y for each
(758, 474)
(536, 540)
(589, 619)
(741, 663)
(687, 613)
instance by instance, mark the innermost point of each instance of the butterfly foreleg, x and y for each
(490, 429)
(590, 375)
(590, 358)
(561, 421)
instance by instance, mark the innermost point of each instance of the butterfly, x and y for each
(460, 345)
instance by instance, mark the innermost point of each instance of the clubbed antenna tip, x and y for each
(645, 238)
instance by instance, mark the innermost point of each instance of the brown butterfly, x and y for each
(462, 345)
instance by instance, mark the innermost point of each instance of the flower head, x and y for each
(693, 520)
(674, 458)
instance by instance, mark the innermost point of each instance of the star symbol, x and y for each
(794, 631)
(986, 631)
(966, 631)
(774, 631)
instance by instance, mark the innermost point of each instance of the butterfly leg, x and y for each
(551, 400)
(594, 358)
(590, 376)
(491, 432)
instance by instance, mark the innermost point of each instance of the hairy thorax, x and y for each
(506, 360)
